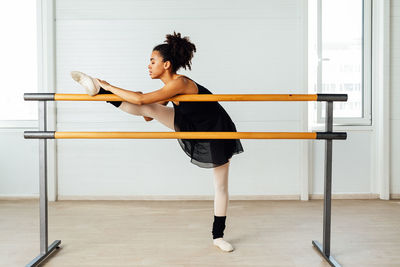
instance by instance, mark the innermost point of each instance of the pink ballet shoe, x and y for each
(223, 245)
(91, 85)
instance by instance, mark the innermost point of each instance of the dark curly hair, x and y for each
(179, 51)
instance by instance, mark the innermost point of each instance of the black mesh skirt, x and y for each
(208, 153)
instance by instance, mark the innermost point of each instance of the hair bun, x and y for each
(175, 39)
(181, 49)
(178, 50)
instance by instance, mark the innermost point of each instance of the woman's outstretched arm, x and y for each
(169, 90)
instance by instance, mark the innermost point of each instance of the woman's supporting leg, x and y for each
(221, 200)
(162, 113)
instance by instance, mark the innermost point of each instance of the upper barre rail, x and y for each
(191, 97)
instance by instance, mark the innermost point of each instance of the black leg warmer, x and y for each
(115, 103)
(218, 226)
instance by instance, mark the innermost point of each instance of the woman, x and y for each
(165, 60)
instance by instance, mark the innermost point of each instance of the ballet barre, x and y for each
(43, 134)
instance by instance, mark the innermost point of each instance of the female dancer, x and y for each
(165, 60)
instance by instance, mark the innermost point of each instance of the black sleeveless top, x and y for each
(205, 117)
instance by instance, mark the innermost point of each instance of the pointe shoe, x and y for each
(223, 245)
(91, 85)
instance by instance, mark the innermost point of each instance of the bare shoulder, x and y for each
(187, 84)
(177, 83)
(182, 80)
(173, 87)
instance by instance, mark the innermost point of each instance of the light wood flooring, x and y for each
(178, 233)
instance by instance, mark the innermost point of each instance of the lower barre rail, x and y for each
(184, 135)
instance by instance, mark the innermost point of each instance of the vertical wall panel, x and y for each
(242, 47)
(395, 97)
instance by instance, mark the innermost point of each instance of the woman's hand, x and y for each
(105, 85)
(147, 118)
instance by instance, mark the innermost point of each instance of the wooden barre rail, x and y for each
(193, 97)
(183, 135)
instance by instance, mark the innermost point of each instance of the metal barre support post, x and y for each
(45, 251)
(325, 249)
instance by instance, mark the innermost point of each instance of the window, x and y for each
(18, 53)
(340, 58)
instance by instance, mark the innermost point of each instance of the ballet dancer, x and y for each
(165, 60)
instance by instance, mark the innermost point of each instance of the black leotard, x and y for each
(206, 117)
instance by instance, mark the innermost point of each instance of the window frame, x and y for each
(366, 119)
(15, 124)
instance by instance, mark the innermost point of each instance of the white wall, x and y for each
(395, 97)
(246, 46)
(351, 164)
(250, 47)
(19, 164)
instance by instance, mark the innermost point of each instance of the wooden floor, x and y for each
(178, 233)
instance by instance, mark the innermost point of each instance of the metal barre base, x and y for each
(329, 259)
(41, 257)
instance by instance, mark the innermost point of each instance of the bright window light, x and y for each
(342, 54)
(340, 58)
(18, 54)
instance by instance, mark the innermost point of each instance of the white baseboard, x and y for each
(177, 197)
(347, 196)
(19, 197)
(394, 196)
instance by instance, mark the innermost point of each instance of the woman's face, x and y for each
(157, 67)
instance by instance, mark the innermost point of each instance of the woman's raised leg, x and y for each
(162, 113)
